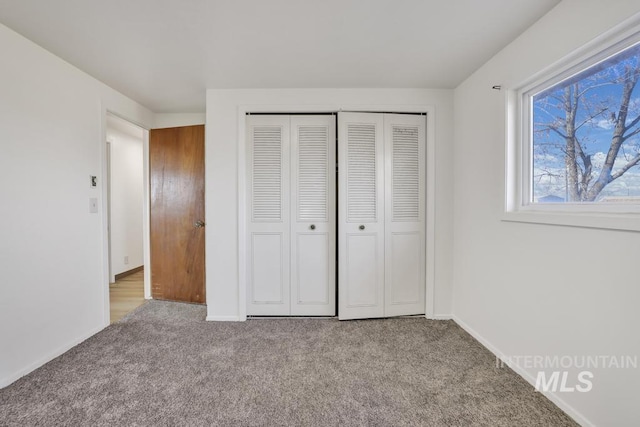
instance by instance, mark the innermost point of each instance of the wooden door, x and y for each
(176, 168)
(360, 215)
(313, 216)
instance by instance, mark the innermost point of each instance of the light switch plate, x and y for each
(93, 205)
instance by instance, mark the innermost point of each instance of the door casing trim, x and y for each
(146, 243)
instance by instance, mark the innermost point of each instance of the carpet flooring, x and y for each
(163, 365)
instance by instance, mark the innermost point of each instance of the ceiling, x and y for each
(166, 53)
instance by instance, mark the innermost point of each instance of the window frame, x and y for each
(518, 204)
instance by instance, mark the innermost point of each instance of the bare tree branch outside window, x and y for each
(586, 134)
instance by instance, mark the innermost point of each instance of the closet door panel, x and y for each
(404, 214)
(313, 280)
(404, 268)
(267, 269)
(268, 234)
(361, 215)
(362, 276)
(313, 246)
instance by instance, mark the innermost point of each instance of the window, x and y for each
(584, 141)
(578, 144)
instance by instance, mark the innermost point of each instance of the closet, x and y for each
(381, 215)
(292, 229)
(291, 218)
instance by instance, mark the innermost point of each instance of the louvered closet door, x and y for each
(268, 221)
(404, 137)
(313, 193)
(361, 215)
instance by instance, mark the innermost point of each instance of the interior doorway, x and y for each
(125, 182)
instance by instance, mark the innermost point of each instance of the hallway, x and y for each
(126, 294)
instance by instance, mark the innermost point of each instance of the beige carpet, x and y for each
(164, 365)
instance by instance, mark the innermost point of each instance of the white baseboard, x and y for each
(441, 317)
(4, 382)
(553, 397)
(223, 319)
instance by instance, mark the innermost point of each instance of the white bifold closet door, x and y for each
(291, 215)
(381, 215)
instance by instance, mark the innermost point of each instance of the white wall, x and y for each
(127, 195)
(222, 173)
(170, 120)
(527, 289)
(52, 266)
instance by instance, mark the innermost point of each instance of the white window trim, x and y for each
(518, 162)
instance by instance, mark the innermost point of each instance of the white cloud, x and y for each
(545, 157)
(630, 149)
(597, 160)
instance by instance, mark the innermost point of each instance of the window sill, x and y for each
(605, 221)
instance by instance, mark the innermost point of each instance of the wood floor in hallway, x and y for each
(126, 294)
